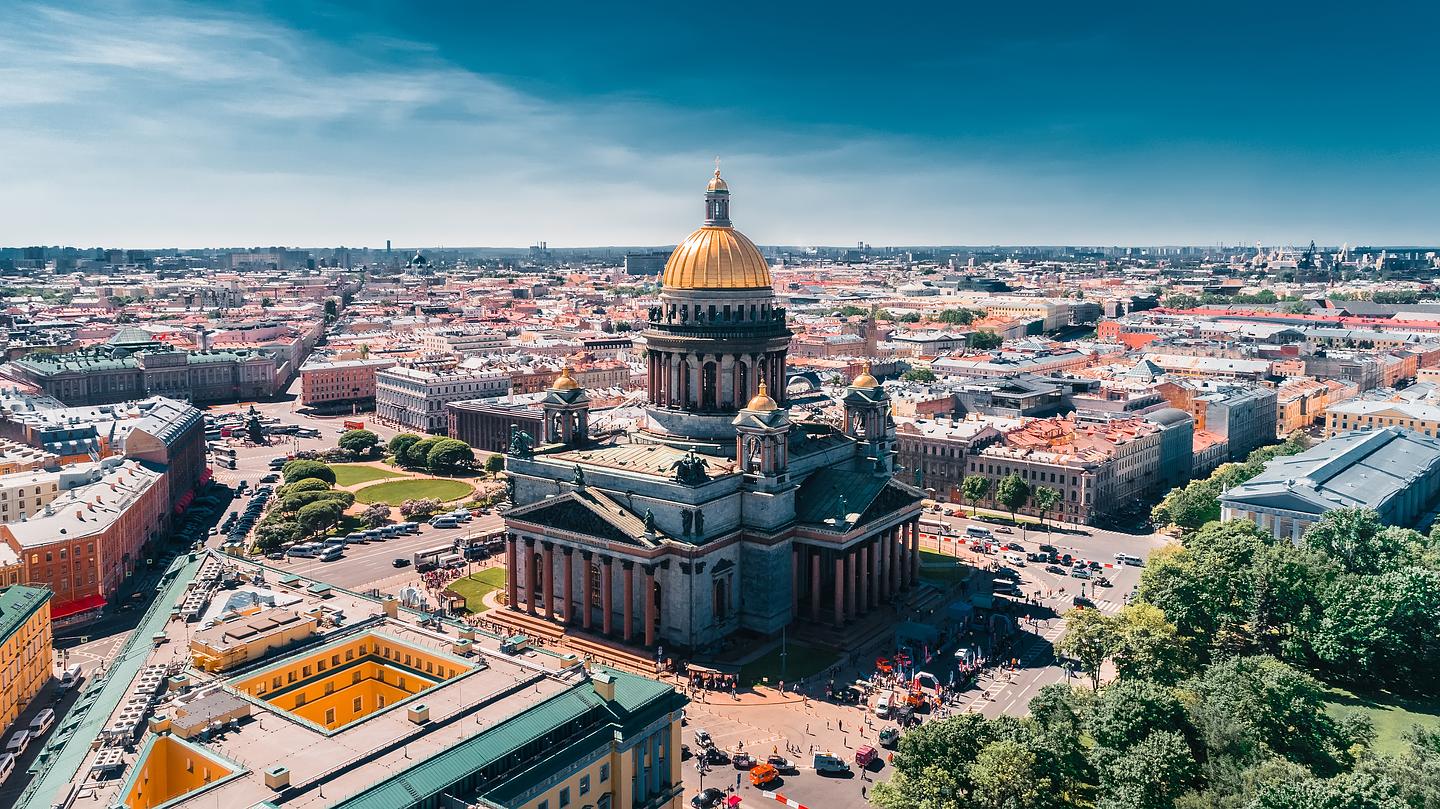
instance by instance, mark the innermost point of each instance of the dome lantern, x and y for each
(716, 256)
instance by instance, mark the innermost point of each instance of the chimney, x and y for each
(277, 778)
(604, 685)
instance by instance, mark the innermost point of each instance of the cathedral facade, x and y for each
(722, 514)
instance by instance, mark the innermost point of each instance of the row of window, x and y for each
(564, 797)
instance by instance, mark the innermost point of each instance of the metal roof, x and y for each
(440, 772)
(17, 603)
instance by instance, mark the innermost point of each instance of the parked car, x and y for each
(709, 799)
(889, 737)
(742, 761)
(702, 738)
(1055, 569)
(824, 763)
(782, 764)
(1080, 573)
(762, 774)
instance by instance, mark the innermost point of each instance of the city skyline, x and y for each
(179, 125)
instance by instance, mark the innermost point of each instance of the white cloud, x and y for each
(155, 126)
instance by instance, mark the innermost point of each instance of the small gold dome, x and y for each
(865, 380)
(565, 381)
(762, 401)
(716, 258)
(717, 184)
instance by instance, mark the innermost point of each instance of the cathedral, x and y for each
(721, 514)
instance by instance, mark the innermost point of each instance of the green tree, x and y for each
(495, 464)
(303, 485)
(918, 375)
(1284, 707)
(1089, 640)
(301, 469)
(1180, 300)
(319, 516)
(1189, 506)
(932, 765)
(975, 488)
(418, 455)
(1146, 645)
(360, 442)
(271, 536)
(295, 502)
(959, 317)
(401, 444)
(449, 455)
(985, 340)
(1043, 499)
(332, 311)
(1150, 775)
(1007, 775)
(1357, 539)
(1012, 493)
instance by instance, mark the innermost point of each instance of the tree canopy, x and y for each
(301, 469)
(360, 442)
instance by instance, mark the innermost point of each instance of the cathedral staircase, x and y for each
(575, 640)
(524, 623)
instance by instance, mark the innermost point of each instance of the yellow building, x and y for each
(247, 638)
(344, 682)
(26, 650)
(169, 768)
(611, 741)
(1363, 414)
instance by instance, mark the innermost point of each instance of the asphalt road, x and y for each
(1050, 595)
(364, 566)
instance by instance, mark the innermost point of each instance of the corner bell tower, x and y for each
(867, 420)
(567, 412)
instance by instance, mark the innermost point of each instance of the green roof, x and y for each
(17, 604)
(633, 695)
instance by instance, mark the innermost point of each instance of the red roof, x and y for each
(79, 605)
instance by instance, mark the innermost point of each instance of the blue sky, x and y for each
(167, 124)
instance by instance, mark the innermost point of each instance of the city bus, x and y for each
(429, 558)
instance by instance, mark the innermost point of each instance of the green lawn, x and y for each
(942, 567)
(396, 492)
(1391, 716)
(349, 474)
(476, 586)
(802, 660)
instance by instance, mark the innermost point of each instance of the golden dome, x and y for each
(716, 257)
(565, 381)
(865, 380)
(762, 401)
(717, 184)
